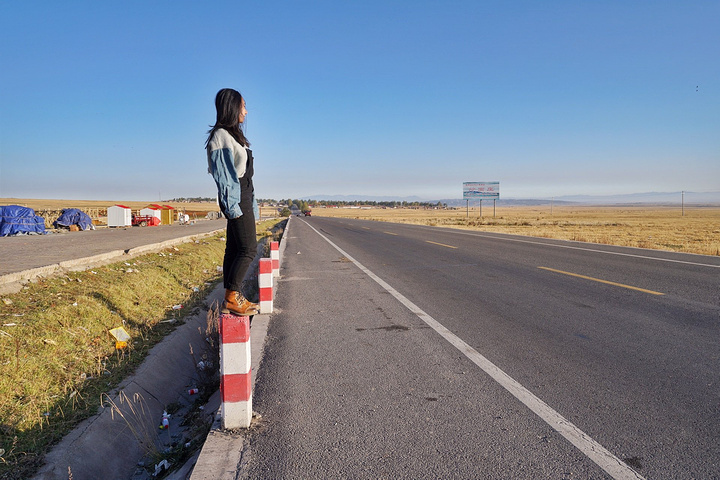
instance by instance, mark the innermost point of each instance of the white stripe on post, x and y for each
(235, 376)
(275, 257)
(265, 281)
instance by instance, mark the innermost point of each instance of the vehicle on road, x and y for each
(307, 214)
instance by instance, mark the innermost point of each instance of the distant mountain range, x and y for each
(651, 198)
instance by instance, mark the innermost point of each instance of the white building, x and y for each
(119, 216)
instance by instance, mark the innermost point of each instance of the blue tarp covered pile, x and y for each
(15, 220)
(73, 216)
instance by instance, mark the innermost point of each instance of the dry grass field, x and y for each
(655, 227)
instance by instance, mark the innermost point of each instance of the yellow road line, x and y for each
(602, 281)
(441, 244)
(390, 233)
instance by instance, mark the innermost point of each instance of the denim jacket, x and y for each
(222, 152)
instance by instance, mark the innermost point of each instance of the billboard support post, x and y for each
(481, 190)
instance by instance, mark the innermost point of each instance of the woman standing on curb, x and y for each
(230, 162)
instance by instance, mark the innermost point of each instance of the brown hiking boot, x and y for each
(237, 304)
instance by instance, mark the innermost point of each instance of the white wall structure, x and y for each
(119, 216)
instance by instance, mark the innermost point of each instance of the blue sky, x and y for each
(112, 100)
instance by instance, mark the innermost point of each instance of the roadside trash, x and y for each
(121, 337)
(177, 307)
(193, 391)
(7, 301)
(202, 365)
(75, 304)
(50, 342)
(161, 467)
(196, 289)
(219, 269)
(165, 421)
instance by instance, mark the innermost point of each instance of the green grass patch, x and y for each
(57, 358)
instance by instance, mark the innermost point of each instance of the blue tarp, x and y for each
(15, 219)
(73, 216)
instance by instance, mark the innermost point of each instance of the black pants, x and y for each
(240, 248)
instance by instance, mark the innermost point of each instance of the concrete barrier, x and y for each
(235, 372)
(265, 284)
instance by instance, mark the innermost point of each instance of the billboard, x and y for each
(481, 190)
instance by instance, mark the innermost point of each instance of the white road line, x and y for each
(589, 447)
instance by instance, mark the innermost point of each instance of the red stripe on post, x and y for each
(265, 265)
(266, 294)
(234, 329)
(236, 387)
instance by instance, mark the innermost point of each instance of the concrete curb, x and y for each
(13, 282)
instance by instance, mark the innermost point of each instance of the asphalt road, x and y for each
(476, 355)
(25, 252)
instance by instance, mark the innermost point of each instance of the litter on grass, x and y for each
(121, 337)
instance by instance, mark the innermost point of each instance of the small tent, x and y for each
(15, 220)
(73, 216)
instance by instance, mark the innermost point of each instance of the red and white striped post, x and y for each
(235, 376)
(265, 282)
(275, 257)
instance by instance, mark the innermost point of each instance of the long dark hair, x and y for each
(228, 103)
